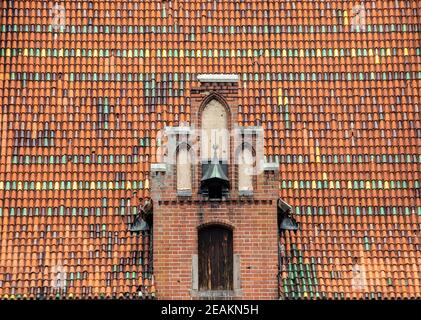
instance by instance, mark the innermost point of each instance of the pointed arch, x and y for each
(184, 168)
(245, 157)
(214, 123)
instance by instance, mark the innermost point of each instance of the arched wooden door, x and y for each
(215, 258)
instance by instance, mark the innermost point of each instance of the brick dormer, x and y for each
(208, 246)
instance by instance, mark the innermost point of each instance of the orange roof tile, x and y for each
(83, 96)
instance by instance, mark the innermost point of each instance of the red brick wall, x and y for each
(253, 219)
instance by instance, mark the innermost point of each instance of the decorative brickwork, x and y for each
(253, 220)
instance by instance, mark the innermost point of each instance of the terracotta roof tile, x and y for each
(86, 86)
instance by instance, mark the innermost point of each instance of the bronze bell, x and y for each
(284, 215)
(289, 223)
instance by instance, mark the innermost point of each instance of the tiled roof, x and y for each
(86, 85)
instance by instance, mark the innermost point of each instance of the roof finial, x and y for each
(215, 155)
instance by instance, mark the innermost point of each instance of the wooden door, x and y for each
(215, 258)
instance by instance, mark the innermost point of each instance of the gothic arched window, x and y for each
(184, 168)
(215, 131)
(245, 170)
